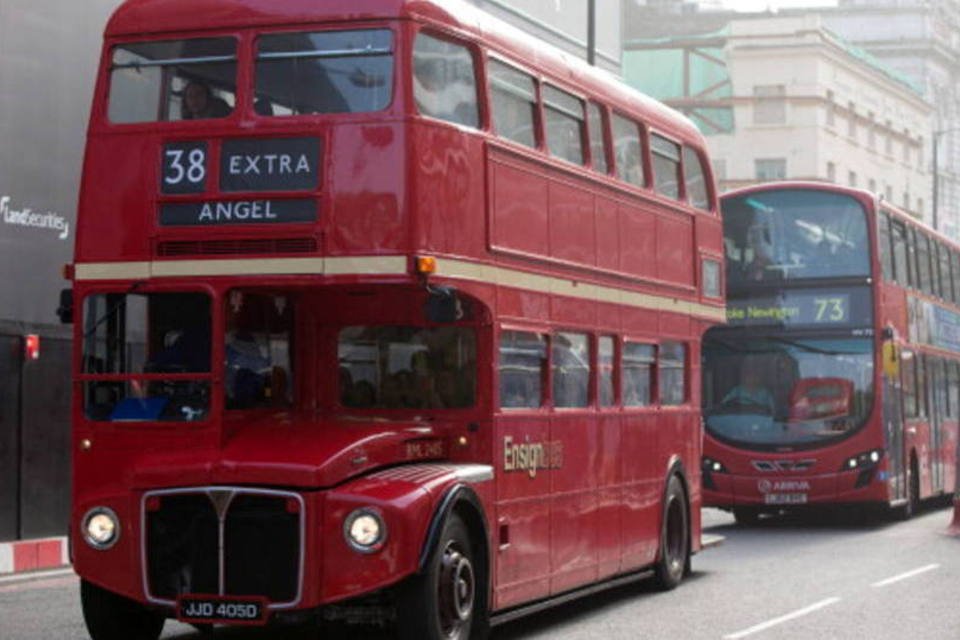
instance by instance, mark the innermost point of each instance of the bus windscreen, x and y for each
(793, 235)
(779, 391)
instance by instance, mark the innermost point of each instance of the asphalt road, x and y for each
(813, 577)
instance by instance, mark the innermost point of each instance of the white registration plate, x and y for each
(785, 498)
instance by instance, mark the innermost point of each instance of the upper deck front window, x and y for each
(793, 235)
(173, 80)
(324, 72)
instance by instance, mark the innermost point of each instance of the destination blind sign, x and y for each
(804, 308)
(246, 165)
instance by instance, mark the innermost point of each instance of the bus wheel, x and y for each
(113, 617)
(440, 603)
(746, 516)
(674, 537)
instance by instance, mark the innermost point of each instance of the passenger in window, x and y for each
(248, 371)
(762, 260)
(199, 103)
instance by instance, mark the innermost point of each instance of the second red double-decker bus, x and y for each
(836, 379)
(382, 307)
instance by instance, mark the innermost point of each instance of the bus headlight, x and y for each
(101, 528)
(365, 530)
(862, 460)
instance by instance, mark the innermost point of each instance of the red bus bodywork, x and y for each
(528, 242)
(896, 456)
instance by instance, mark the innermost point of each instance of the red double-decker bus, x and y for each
(836, 379)
(381, 307)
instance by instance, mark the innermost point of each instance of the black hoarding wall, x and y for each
(49, 53)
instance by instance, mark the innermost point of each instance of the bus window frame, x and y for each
(686, 148)
(653, 399)
(591, 372)
(680, 177)
(684, 370)
(539, 143)
(211, 377)
(615, 401)
(646, 172)
(100, 114)
(887, 259)
(546, 377)
(603, 111)
(484, 117)
(546, 85)
(401, 48)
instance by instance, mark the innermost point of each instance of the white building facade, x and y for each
(807, 106)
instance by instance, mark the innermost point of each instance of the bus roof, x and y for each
(154, 17)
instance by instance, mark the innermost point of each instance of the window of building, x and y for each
(852, 178)
(770, 104)
(629, 153)
(444, 81)
(906, 146)
(871, 132)
(513, 95)
(570, 365)
(636, 384)
(672, 378)
(832, 171)
(888, 193)
(598, 141)
(831, 109)
(771, 168)
(666, 166)
(522, 367)
(852, 120)
(872, 185)
(695, 179)
(888, 142)
(605, 369)
(564, 121)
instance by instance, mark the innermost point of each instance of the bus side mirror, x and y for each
(65, 310)
(443, 305)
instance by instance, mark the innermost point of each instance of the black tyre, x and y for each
(746, 516)
(112, 617)
(674, 557)
(444, 602)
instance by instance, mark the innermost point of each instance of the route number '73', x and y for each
(830, 309)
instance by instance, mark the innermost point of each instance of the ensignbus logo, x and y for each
(531, 456)
(27, 217)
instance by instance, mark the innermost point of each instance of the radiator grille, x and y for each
(261, 544)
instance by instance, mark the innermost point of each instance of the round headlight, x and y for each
(365, 530)
(101, 528)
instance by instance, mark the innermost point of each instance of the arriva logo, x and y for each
(766, 486)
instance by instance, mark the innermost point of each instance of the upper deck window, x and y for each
(629, 153)
(598, 146)
(564, 124)
(794, 234)
(173, 80)
(514, 97)
(444, 81)
(696, 179)
(666, 166)
(324, 72)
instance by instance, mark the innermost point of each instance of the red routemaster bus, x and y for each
(836, 379)
(383, 307)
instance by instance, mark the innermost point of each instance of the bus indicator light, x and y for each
(426, 265)
(31, 347)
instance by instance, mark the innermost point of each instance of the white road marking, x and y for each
(785, 618)
(904, 576)
(36, 575)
